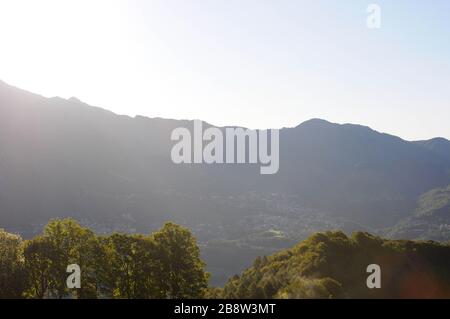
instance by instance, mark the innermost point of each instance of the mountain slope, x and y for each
(351, 168)
(439, 145)
(431, 219)
(64, 158)
(332, 265)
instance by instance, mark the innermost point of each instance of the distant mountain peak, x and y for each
(316, 122)
(4, 84)
(438, 145)
(75, 100)
(439, 140)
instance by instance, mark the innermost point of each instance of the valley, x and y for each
(64, 158)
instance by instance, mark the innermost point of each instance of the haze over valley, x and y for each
(64, 158)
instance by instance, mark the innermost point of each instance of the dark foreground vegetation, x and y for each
(167, 264)
(332, 265)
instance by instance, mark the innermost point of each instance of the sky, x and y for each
(253, 63)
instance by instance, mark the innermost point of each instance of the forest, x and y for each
(333, 265)
(164, 264)
(167, 264)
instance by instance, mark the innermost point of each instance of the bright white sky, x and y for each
(255, 63)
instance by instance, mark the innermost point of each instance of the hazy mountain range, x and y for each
(62, 158)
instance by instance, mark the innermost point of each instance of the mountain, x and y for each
(332, 265)
(435, 203)
(431, 219)
(350, 169)
(439, 145)
(65, 158)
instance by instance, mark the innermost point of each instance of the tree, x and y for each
(12, 276)
(129, 271)
(72, 244)
(181, 272)
(311, 288)
(38, 259)
(63, 242)
(165, 264)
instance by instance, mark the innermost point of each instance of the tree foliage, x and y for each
(12, 279)
(332, 265)
(165, 264)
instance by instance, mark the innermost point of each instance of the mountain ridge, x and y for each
(314, 121)
(63, 158)
(326, 149)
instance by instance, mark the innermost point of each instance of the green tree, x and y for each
(165, 264)
(63, 242)
(181, 272)
(12, 276)
(129, 268)
(38, 259)
(72, 244)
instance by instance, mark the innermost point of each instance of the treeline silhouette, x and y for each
(334, 265)
(164, 264)
(167, 264)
